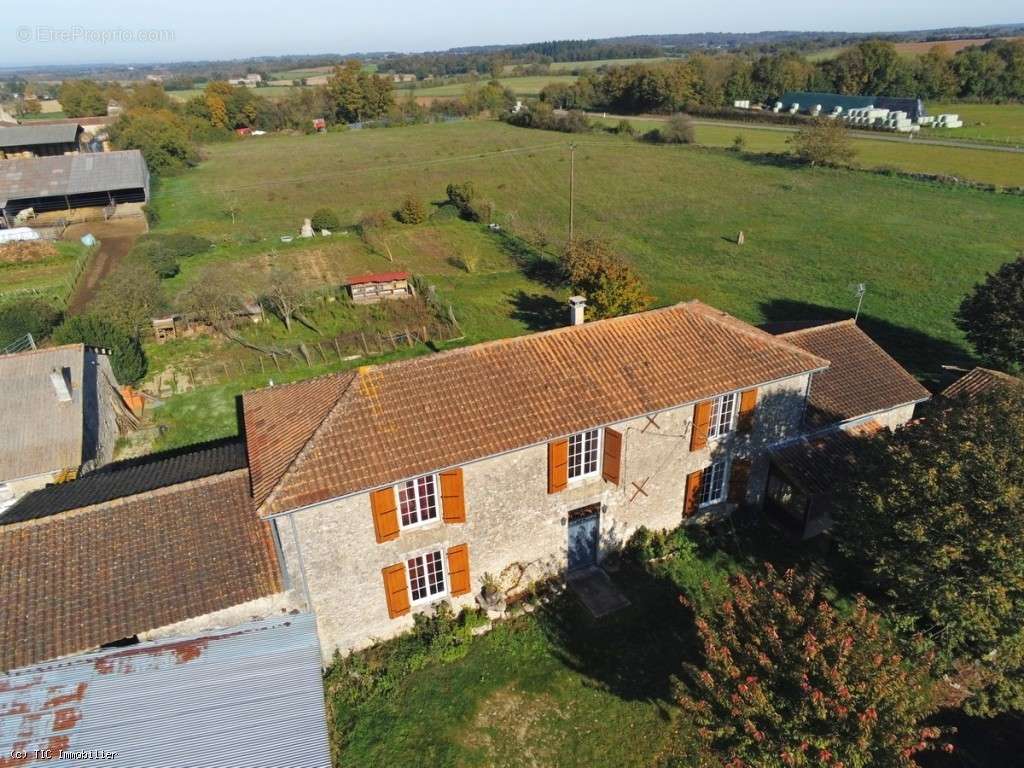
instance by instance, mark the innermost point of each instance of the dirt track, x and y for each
(116, 239)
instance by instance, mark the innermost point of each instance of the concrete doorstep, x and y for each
(596, 591)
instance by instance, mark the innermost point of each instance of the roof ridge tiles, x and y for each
(812, 328)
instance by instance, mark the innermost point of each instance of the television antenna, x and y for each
(859, 290)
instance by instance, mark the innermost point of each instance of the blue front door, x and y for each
(584, 526)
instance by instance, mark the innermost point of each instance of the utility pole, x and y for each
(572, 189)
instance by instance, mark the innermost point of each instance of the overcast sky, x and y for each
(66, 32)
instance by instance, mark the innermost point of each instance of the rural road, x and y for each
(860, 135)
(116, 239)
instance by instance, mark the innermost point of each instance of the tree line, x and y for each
(993, 71)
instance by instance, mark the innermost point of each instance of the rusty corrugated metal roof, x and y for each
(249, 695)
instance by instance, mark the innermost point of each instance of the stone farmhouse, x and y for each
(394, 487)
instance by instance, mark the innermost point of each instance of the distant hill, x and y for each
(474, 57)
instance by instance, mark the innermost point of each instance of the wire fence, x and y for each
(324, 353)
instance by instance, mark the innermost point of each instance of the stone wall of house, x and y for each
(514, 529)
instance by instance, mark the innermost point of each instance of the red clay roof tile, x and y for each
(420, 415)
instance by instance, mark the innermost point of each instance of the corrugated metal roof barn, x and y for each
(31, 135)
(45, 183)
(250, 695)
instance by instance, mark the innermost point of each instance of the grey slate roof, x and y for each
(249, 695)
(23, 178)
(29, 135)
(39, 433)
(130, 477)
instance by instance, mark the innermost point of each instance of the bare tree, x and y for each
(287, 292)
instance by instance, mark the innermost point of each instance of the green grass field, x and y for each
(572, 66)
(998, 123)
(270, 92)
(521, 86)
(991, 167)
(811, 233)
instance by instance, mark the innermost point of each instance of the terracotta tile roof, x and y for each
(280, 420)
(977, 381)
(813, 464)
(74, 581)
(862, 379)
(420, 415)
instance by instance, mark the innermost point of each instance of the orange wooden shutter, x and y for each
(385, 514)
(558, 465)
(748, 401)
(458, 569)
(701, 424)
(738, 476)
(453, 500)
(396, 590)
(692, 493)
(611, 465)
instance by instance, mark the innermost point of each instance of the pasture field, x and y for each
(948, 47)
(991, 167)
(567, 67)
(270, 92)
(298, 74)
(811, 233)
(910, 49)
(996, 123)
(521, 86)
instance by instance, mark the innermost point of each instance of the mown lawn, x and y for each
(552, 688)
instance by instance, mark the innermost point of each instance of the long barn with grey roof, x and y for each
(66, 182)
(40, 140)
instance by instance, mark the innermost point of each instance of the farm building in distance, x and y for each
(66, 183)
(40, 140)
(808, 100)
(370, 289)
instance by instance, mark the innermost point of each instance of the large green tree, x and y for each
(82, 98)
(126, 355)
(161, 135)
(787, 680)
(992, 316)
(933, 519)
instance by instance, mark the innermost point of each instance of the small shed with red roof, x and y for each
(381, 286)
